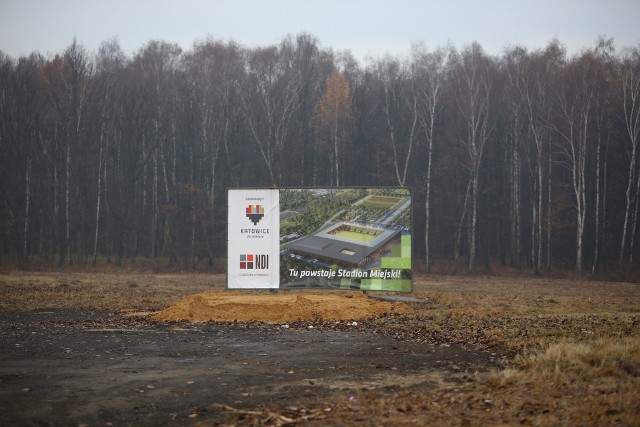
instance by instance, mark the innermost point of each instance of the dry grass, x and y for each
(566, 361)
(569, 384)
(570, 349)
(115, 292)
(518, 316)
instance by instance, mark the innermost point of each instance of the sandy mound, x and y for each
(278, 308)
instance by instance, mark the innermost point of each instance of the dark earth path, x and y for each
(79, 367)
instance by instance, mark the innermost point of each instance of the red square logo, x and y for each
(246, 262)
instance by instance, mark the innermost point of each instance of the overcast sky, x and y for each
(368, 27)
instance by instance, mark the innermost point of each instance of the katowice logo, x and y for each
(254, 262)
(255, 213)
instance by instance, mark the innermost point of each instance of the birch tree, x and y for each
(533, 90)
(628, 94)
(430, 71)
(604, 53)
(472, 98)
(574, 102)
(400, 109)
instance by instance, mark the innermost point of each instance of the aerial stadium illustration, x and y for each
(346, 238)
(345, 244)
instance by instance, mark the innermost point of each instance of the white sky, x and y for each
(367, 27)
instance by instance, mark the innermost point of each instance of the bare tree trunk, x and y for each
(99, 195)
(335, 142)
(143, 213)
(67, 185)
(534, 223)
(427, 256)
(474, 215)
(605, 253)
(536, 226)
(212, 206)
(456, 250)
(56, 213)
(193, 233)
(514, 206)
(596, 245)
(314, 181)
(635, 223)
(65, 239)
(154, 207)
(27, 196)
(548, 265)
(629, 201)
(107, 228)
(580, 190)
(209, 249)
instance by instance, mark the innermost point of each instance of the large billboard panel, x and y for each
(334, 238)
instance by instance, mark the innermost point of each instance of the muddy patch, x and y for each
(66, 367)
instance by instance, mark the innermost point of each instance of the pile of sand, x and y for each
(278, 308)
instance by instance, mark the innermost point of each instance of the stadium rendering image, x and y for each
(345, 244)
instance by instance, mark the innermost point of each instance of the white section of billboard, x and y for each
(254, 239)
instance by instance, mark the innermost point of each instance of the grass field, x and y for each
(355, 236)
(381, 202)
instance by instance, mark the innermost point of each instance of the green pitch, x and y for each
(355, 236)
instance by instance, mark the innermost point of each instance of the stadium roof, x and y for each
(343, 249)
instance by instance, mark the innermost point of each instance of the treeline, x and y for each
(529, 159)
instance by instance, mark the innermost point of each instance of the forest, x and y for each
(527, 160)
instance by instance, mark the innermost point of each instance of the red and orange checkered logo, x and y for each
(246, 262)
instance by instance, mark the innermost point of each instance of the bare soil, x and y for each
(84, 349)
(278, 308)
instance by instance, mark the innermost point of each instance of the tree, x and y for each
(430, 70)
(333, 118)
(150, 115)
(515, 64)
(68, 85)
(19, 148)
(628, 79)
(109, 154)
(270, 95)
(400, 108)
(574, 99)
(529, 80)
(604, 52)
(110, 63)
(472, 97)
(214, 70)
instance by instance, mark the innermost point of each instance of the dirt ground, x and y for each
(83, 349)
(279, 308)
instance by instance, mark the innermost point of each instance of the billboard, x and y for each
(334, 238)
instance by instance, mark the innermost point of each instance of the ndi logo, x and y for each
(254, 262)
(255, 213)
